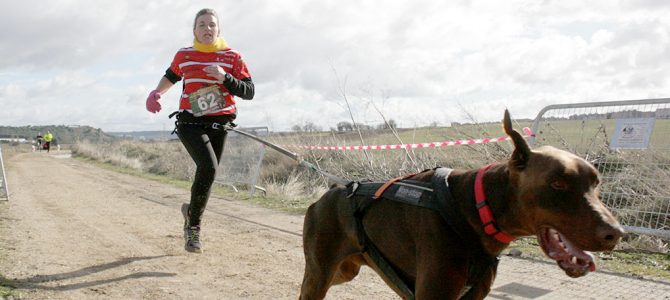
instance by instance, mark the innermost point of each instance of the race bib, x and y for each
(206, 100)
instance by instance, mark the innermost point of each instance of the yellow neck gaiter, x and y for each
(218, 45)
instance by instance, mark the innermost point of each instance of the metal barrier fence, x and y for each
(4, 190)
(628, 142)
(242, 158)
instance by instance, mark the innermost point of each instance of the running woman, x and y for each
(213, 74)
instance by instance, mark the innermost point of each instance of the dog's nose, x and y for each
(610, 234)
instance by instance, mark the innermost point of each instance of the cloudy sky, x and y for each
(82, 62)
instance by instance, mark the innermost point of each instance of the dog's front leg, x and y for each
(440, 282)
(482, 287)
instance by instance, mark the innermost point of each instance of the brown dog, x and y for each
(545, 192)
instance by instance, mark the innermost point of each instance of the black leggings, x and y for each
(205, 145)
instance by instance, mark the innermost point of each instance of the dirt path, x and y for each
(74, 231)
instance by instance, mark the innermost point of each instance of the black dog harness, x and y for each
(434, 195)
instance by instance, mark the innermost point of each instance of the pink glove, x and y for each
(152, 101)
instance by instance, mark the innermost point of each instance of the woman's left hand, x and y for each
(216, 72)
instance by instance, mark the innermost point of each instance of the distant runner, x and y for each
(38, 140)
(47, 140)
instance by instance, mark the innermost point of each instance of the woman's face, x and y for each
(206, 29)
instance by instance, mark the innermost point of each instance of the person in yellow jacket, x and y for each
(48, 137)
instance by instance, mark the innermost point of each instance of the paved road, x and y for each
(531, 279)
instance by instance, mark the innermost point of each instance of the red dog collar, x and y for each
(485, 214)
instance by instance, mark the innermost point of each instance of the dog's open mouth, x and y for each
(574, 261)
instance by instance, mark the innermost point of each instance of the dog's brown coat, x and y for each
(534, 190)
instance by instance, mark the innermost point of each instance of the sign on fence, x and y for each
(632, 133)
(242, 158)
(627, 141)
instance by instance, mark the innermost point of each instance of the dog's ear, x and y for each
(521, 152)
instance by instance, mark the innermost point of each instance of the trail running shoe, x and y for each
(193, 239)
(191, 233)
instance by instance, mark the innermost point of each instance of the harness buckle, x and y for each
(216, 126)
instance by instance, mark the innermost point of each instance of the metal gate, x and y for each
(628, 142)
(4, 190)
(242, 158)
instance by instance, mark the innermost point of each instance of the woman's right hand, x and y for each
(152, 101)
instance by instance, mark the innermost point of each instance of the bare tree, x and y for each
(344, 126)
(310, 127)
(342, 89)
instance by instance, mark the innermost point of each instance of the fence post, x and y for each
(4, 190)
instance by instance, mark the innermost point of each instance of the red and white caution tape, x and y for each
(526, 130)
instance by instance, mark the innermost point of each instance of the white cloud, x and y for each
(92, 63)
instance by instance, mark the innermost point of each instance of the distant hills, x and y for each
(69, 134)
(63, 134)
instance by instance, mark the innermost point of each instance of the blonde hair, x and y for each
(205, 11)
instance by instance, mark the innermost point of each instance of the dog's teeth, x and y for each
(574, 260)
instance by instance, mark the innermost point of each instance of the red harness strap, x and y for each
(485, 214)
(381, 189)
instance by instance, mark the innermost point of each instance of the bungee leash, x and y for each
(230, 126)
(288, 153)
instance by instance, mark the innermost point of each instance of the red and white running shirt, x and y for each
(189, 63)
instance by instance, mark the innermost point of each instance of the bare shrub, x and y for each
(644, 243)
(293, 191)
(384, 164)
(161, 158)
(106, 153)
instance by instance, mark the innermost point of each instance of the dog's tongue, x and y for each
(574, 261)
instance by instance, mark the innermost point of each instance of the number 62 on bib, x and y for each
(206, 100)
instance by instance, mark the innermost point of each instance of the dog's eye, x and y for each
(559, 185)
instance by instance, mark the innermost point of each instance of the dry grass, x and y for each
(383, 164)
(160, 158)
(291, 187)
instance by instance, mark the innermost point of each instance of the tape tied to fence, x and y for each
(526, 130)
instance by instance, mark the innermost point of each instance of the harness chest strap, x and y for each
(485, 214)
